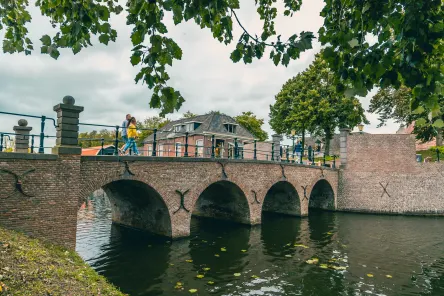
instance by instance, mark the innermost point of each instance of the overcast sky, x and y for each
(101, 78)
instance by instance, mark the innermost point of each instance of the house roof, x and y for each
(212, 123)
(94, 150)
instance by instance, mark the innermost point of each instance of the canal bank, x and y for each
(30, 267)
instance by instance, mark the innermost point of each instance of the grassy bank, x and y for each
(30, 267)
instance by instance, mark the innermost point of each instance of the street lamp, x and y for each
(360, 127)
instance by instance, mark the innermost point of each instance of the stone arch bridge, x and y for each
(42, 193)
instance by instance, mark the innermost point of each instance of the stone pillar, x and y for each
(22, 136)
(277, 146)
(344, 132)
(67, 127)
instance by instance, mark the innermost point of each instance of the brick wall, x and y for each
(60, 183)
(376, 162)
(51, 209)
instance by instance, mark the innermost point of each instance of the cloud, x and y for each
(102, 79)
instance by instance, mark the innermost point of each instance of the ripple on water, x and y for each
(271, 259)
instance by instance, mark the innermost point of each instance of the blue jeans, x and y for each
(131, 143)
(125, 139)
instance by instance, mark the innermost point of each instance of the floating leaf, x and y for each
(216, 255)
(171, 264)
(325, 266)
(313, 261)
(210, 283)
(200, 276)
(223, 249)
(329, 233)
(204, 241)
(287, 245)
(189, 260)
(254, 276)
(301, 246)
(289, 256)
(206, 268)
(243, 251)
(192, 291)
(388, 276)
(237, 274)
(369, 275)
(178, 285)
(338, 267)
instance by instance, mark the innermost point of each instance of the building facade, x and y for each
(230, 138)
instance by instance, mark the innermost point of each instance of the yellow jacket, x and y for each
(132, 132)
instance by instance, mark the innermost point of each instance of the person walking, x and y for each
(132, 136)
(124, 127)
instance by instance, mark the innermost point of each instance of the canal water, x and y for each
(324, 254)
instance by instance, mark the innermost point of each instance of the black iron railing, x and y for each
(43, 119)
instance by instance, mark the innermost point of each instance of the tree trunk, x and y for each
(439, 138)
(328, 137)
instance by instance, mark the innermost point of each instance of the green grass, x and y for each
(31, 267)
(432, 154)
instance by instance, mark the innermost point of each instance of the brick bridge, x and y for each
(40, 194)
(155, 194)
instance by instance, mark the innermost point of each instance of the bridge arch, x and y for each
(282, 198)
(136, 204)
(322, 196)
(223, 200)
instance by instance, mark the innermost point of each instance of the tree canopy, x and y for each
(310, 103)
(189, 114)
(147, 126)
(367, 43)
(253, 124)
(394, 104)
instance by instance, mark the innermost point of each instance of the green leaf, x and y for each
(136, 38)
(135, 59)
(277, 58)
(418, 110)
(46, 40)
(420, 122)
(353, 43)
(104, 39)
(76, 48)
(236, 55)
(439, 123)
(44, 49)
(54, 53)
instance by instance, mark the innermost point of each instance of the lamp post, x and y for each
(360, 127)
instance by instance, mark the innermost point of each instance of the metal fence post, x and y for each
(236, 150)
(300, 157)
(313, 157)
(324, 160)
(42, 135)
(186, 145)
(101, 151)
(287, 154)
(116, 142)
(1, 142)
(212, 146)
(334, 161)
(272, 152)
(32, 144)
(154, 142)
(255, 151)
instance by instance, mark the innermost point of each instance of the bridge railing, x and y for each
(42, 136)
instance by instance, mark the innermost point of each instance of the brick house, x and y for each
(170, 139)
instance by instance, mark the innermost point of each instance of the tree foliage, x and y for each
(390, 103)
(189, 114)
(146, 127)
(408, 48)
(310, 103)
(86, 138)
(394, 104)
(253, 124)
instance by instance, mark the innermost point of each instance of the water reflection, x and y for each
(355, 253)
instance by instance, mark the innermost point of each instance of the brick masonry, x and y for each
(58, 184)
(382, 176)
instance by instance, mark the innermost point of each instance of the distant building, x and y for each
(97, 150)
(170, 139)
(419, 145)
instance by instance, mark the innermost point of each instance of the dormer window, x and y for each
(230, 127)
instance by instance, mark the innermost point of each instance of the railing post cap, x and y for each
(69, 100)
(23, 122)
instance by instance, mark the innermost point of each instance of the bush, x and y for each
(441, 149)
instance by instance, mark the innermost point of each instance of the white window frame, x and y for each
(178, 149)
(200, 149)
(160, 149)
